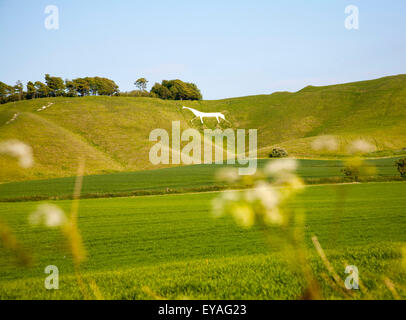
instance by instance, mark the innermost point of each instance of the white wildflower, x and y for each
(19, 150)
(228, 174)
(280, 167)
(273, 216)
(265, 193)
(361, 146)
(265, 201)
(48, 214)
(325, 143)
(291, 181)
(243, 215)
(217, 206)
(230, 196)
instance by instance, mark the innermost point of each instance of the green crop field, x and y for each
(171, 180)
(171, 246)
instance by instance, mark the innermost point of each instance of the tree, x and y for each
(141, 84)
(70, 86)
(55, 84)
(81, 86)
(31, 91)
(19, 89)
(5, 90)
(42, 89)
(105, 87)
(6, 93)
(176, 90)
(161, 92)
(195, 92)
(92, 85)
(401, 165)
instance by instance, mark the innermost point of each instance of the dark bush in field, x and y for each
(278, 153)
(351, 172)
(401, 165)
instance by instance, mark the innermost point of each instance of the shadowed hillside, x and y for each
(112, 133)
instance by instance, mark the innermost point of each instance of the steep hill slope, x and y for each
(112, 133)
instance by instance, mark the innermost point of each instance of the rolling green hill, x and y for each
(112, 133)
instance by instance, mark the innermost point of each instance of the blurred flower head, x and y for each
(19, 150)
(280, 167)
(289, 184)
(361, 146)
(228, 174)
(219, 203)
(264, 202)
(49, 215)
(325, 143)
(265, 193)
(243, 214)
(274, 216)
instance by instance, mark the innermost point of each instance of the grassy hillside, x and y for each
(111, 133)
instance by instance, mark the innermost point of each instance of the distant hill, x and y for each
(112, 132)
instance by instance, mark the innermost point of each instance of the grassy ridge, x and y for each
(111, 133)
(173, 180)
(175, 247)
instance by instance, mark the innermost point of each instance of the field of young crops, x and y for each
(172, 246)
(176, 180)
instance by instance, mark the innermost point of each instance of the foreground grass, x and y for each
(171, 246)
(176, 180)
(260, 276)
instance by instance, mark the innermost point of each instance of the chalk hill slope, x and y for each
(112, 133)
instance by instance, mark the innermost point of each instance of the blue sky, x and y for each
(228, 48)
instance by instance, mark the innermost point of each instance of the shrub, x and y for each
(278, 153)
(351, 172)
(161, 91)
(176, 90)
(135, 93)
(401, 165)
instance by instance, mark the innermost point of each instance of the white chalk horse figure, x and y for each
(201, 115)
